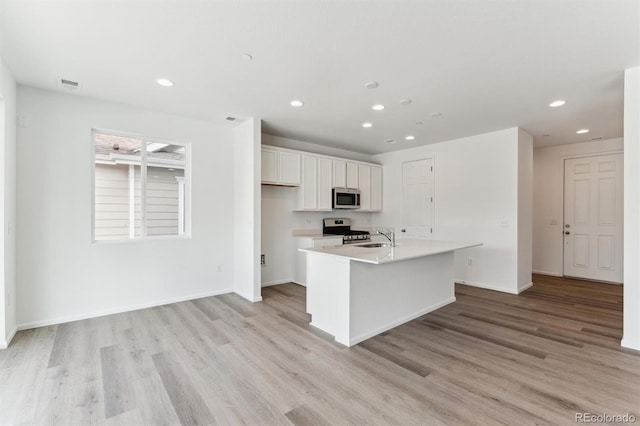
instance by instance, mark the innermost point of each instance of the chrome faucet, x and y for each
(390, 235)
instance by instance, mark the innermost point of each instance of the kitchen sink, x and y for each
(374, 245)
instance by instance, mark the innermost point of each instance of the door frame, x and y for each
(563, 159)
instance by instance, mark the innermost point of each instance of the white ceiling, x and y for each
(485, 64)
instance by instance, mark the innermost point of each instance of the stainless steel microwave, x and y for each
(345, 198)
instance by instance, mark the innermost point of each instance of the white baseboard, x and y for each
(95, 314)
(524, 287)
(4, 344)
(389, 326)
(487, 287)
(249, 298)
(277, 282)
(626, 343)
(551, 274)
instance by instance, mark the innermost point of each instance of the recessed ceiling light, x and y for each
(405, 102)
(390, 141)
(371, 84)
(164, 82)
(582, 131)
(436, 114)
(419, 123)
(409, 137)
(367, 125)
(296, 103)
(557, 103)
(171, 170)
(378, 107)
(247, 57)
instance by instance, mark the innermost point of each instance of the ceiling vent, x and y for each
(69, 84)
(597, 138)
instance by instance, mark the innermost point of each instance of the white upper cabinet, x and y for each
(339, 174)
(376, 188)
(308, 191)
(352, 175)
(316, 175)
(280, 167)
(269, 166)
(325, 183)
(370, 185)
(364, 181)
(289, 168)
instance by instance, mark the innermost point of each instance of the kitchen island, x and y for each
(357, 291)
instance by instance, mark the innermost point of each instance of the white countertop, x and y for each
(406, 248)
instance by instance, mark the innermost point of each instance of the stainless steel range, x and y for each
(337, 226)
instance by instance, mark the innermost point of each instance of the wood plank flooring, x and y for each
(488, 358)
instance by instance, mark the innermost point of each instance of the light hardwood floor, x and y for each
(489, 358)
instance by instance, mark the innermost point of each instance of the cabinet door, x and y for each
(352, 175)
(309, 184)
(364, 181)
(289, 167)
(269, 166)
(339, 174)
(376, 188)
(325, 172)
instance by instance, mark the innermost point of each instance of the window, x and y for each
(140, 187)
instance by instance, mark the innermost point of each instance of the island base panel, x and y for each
(354, 301)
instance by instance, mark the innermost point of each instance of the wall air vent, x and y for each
(69, 84)
(597, 138)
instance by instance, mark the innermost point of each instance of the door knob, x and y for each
(403, 230)
(567, 232)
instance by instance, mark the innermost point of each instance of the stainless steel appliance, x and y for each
(339, 226)
(345, 198)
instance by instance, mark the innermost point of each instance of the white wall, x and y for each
(548, 199)
(525, 208)
(476, 188)
(279, 220)
(631, 327)
(247, 199)
(8, 211)
(61, 274)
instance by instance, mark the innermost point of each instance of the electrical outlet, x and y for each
(469, 262)
(504, 223)
(219, 268)
(263, 262)
(554, 221)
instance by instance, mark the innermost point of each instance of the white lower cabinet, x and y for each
(300, 263)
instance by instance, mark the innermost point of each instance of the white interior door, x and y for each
(417, 194)
(593, 204)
